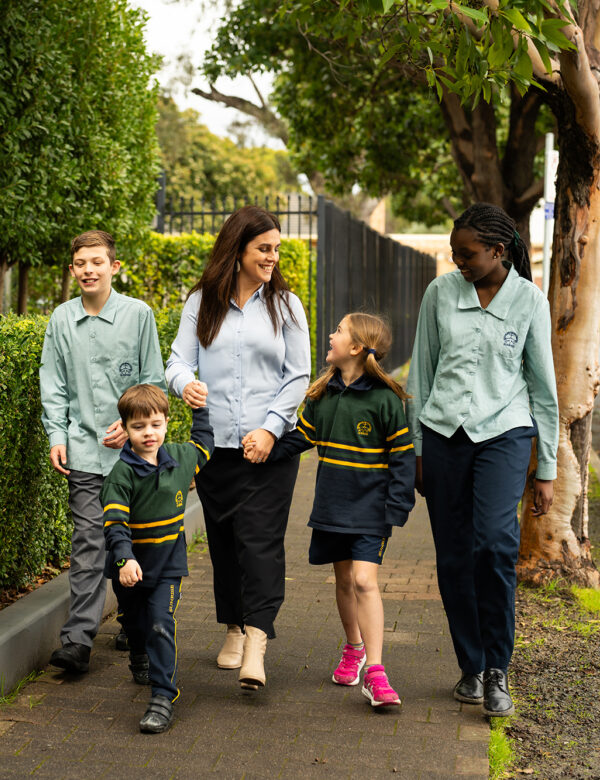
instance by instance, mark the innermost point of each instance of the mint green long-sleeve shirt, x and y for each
(87, 364)
(487, 370)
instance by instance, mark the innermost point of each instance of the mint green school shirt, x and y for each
(487, 370)
(87, 364)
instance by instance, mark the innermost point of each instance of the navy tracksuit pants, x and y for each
(472, 492)
(149, 621)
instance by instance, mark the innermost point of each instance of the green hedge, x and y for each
(35, 525)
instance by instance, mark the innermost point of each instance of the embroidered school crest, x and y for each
(363, 428)
(510, 338)
(179, 498)
(125, 369)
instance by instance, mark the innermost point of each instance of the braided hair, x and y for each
(493, 226)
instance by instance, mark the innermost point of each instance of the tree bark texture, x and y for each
(65, 285)
(557, 544)
(23, 288)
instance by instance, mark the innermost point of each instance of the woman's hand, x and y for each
(543, 493)
(257, 445)
(194, 394)
(419, 476)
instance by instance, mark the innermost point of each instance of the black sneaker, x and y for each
(121, 642)
(139, 668)
(497, 702)
(469, 688)
(72, 657)
(158, 716)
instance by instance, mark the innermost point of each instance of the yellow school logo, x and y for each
(364, 428)
(179, 498)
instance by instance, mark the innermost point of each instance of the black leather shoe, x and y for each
(469, 688)
(158, 716)
(496, 698)
(72, 657)
(121, 642)
(139, 668)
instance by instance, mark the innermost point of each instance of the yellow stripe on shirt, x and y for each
(398, 433)
(355, 465)
(401, 449)
(168, 521)
(122, 507)
(308, 425)
(158, 541)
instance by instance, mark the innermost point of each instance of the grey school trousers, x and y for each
(86, 575)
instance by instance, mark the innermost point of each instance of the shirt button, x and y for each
(92, 335)
(93, 360)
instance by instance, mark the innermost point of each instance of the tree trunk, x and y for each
(23, 287)
(65, 286)
(557, 544)
(3, 272)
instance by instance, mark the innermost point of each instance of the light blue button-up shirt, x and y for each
(487, 370)
(256, 378)
(87, 363)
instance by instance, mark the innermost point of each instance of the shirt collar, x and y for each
(107, 313)
(141, 467)
(364, 382)
(500, 303)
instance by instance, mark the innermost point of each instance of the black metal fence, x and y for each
(361, 269)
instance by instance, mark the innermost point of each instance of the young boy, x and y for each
(144, 500)
(96, 346)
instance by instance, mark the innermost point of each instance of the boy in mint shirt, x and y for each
(96, 346)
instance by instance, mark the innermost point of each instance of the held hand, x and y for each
(58, 459)
(419, 476)
(130, 573)
(257, 445)
(194, 394)
(116, 436)
(543, 493)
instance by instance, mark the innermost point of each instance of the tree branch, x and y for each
(580, 83)
(267, 118)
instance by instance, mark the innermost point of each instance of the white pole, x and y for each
(550, 166)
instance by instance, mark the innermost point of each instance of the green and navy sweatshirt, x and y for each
(366, 473)
(144, 505)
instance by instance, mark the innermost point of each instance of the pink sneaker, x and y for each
(348, 671)
(377, 688)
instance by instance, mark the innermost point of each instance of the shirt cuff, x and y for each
(418, 445)
(546, 470)
(274, 424)
(58, 437)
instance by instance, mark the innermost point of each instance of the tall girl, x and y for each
(482, 387)
(354, 415)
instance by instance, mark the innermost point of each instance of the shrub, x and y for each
(35, 525)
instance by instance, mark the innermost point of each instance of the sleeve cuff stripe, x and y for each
(122, 507)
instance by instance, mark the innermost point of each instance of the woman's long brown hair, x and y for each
(369, 332)
(218, 280)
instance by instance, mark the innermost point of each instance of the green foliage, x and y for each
(34, 523)
(200, 165)
(78, 113)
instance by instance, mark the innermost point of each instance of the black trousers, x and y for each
(246, 508)
(149, 621)
(472, 492)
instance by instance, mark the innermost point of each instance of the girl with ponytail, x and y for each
(482, 387)
(354, 415)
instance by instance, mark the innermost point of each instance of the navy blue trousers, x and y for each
(472, 492)
(149, 621)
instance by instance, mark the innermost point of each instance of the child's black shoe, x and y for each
(139, 668)
(158, 716)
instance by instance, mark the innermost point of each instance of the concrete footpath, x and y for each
(301, 725)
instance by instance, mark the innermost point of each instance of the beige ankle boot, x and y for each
(253, 669)
(231, 654)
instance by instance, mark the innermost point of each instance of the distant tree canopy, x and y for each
(206, 167)
(78, 147)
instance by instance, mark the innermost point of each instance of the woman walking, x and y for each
(247, 337)
(482, 386)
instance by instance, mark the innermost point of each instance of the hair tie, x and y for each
(516, 237)
(371, 351)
